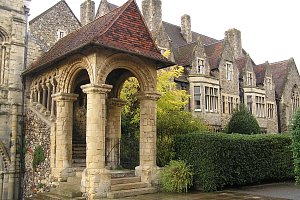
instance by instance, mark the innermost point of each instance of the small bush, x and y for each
(295, 130)
(243, 122)
(222, 160)
(38, 157)
(176, 177)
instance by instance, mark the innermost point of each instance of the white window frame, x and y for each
(200, 66)
(162, 50)
(198, 94)
(229, 71)
(249, 78)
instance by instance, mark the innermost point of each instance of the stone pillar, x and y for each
(148, 169)
(52, 114)
(96, 179)
(13, 151)
(38, 105)
(113, 134)
(48, 85)
(44, 99)
(63, 138)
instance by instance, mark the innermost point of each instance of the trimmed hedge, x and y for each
(295, 130)
(220, 160)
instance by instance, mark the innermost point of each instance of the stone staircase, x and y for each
(79, 155)
(125, 184)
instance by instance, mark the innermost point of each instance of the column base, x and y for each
(95, 183)
(148, 174)
(61, 175)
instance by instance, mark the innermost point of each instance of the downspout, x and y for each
(23, 78)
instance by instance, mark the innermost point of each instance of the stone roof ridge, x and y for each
(217, 42)
(278, 62)
(49, 9)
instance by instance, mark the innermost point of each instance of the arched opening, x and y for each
(122, 135)
(295, 98)
(79, 121)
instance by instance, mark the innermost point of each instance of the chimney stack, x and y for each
(235, 40)
(186, 29)
(87, 12)
(152, 14)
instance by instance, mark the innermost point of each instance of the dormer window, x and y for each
(269, 83)
(61, 34)
(162, 50)
(229, 71)
(249, 78)
(200, 68)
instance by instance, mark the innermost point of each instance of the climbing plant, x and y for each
(295, 130)
(38, 157)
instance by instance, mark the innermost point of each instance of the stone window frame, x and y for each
(3, 53)
(200, 66)
(295, 99)
(230, 104)
(229, 70)
(270, 112)
(249, 78)
(260, 106)
(223, 104)
(61, 34)
(250, 103)
(198, 101)
(211, 99)
(269, 83)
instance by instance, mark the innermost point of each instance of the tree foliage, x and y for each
(243, 122)
(295, 130)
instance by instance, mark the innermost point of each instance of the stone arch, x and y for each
(131, 63)
(295, 98)
(3, 36)
(69, 74)
(4, 166)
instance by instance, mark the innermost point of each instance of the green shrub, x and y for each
(219, 160)
(176, 177)
(243, 122)
(38, 157)
(171, 124)
(295, 130)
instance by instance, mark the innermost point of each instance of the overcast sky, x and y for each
(270, 28)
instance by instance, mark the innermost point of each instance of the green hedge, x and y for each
(220, 160)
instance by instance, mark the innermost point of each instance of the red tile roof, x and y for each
(122, 29)
(279, 72)
(260, 72)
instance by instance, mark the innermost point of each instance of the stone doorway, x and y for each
(79, 122)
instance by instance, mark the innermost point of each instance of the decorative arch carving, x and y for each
(3, 36)
(5, 157)
(146, 77)
(74, 66)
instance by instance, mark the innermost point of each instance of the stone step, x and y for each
(51, 196)
(79, 160)
(115, 181)
(130, 193)
(122, 173)
(69, 191)
(128, 186)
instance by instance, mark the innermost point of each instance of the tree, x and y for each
(295, 130)
(243, 122)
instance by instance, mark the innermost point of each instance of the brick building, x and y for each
(62, 57)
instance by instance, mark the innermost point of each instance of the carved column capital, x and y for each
(64, 97)
(96, 89)
(148, 95)
(116, 102)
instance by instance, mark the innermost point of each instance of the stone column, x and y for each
(52, 114)
(44, 100)
(64, 126)
(96, 179)
(38, 89)
(113, 134)
(48, 85)
(147, 169)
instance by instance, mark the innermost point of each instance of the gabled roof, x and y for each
(177, 40)
(279, 72)
(214, 53)
(184, 55)
(109, 5)
(60, 3)
(122, 29)
(260, 72)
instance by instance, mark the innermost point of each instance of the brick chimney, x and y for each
(235, 40)
(87, 12)
(153, 14)
(186, 29)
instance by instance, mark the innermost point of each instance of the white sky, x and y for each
(270, 28)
